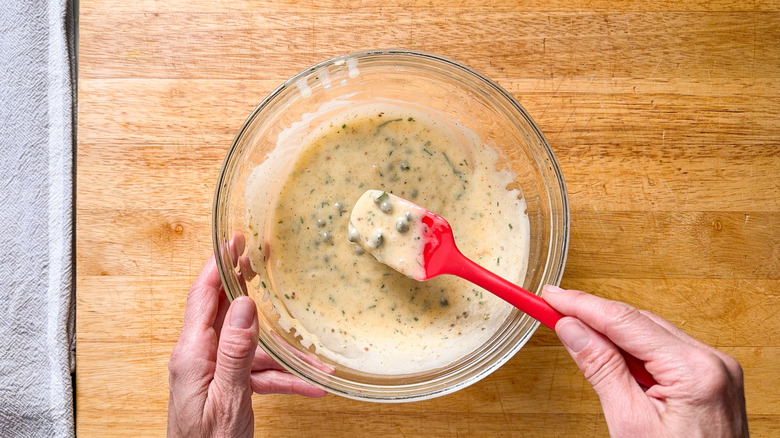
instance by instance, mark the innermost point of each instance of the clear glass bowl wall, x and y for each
(441, 85)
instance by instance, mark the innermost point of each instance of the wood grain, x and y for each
(663, 115)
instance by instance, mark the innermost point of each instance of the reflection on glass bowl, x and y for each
(266, 149)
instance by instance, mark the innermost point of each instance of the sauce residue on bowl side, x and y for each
(339, 300)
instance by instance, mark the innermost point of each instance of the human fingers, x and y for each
(708, 396)
(202, 300)
(673, 329)
(188, 367)
(237, 244)
(729, 362)
(721, 361)
(600, 361)
(236, 247)
(237, 344)
(308, 357)
(622, 324)
(262, 361)
(245, 267)
(699, 387)
(222, 308)
(269, 377)
(280, 382)
(200, 312)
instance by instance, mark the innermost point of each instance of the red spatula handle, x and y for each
(442, 256)
(534, 306)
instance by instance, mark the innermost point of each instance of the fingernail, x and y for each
(552, 288)
(243, 314)
(573, 335)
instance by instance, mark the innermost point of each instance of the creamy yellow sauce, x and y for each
(338, 299)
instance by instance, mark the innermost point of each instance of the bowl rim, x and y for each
(563, 223)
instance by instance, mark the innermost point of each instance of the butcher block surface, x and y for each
(664, 116)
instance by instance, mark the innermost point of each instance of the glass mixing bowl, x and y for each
(425, 81)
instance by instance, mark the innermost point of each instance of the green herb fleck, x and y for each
(287, 296)
(382, 125)
(264, 286)
(410, 119)
(510, 226)
(457, 172)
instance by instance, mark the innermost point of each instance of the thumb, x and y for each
(599, 360)
(237, 345)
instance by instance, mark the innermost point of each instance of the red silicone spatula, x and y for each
(420, 244)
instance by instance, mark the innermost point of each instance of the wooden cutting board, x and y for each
(664, 115)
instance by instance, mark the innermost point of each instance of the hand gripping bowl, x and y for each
(427, 83)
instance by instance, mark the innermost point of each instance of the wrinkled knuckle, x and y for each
(600, 366)
(713, 375)
(622, 313)
(734, 368)
(176, 363)
(577, 298)
(236, 346)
